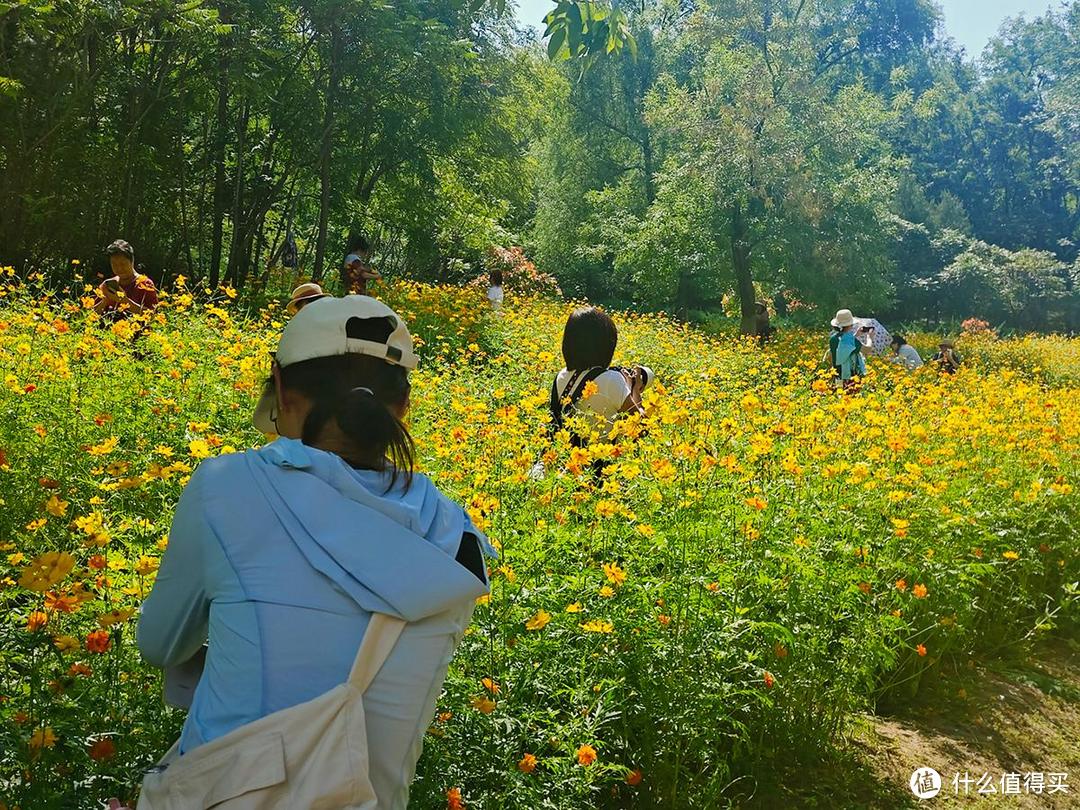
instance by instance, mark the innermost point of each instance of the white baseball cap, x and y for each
(323, 329)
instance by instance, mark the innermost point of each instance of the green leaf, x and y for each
(556, 43)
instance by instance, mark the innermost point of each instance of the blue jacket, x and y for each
(849, 357)
(279, 556)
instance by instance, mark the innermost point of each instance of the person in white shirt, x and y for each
(905, 354)
(495, 291)
(588, 347)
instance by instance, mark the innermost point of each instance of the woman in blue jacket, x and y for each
(279, 556)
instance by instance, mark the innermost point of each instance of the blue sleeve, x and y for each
(174, 620)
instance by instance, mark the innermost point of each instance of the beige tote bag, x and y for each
(313, 755)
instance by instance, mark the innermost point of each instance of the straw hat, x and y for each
(843, 319)
(948, 343)
(304, 294)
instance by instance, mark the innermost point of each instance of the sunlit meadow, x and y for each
(760, 558)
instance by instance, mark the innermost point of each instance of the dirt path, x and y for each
(995, 719)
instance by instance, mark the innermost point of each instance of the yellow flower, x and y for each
(1010, 555)
(199, 448)
(539, 621)
(614, 574)
(598, 626)
(104, 448)
(43, 738)
(606, 508)
(146, 565)
(56, 507)
(115, 616)
(607, 591)
(46, 570)
(574, 607)
(483, 704)
(66, 643)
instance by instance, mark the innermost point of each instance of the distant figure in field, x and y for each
(780, 304)
(356, 270)
(762, 328)
(126, 291)
(905, 354)
(495, 291)
(946, 358)
(845, 350)
(304, 295)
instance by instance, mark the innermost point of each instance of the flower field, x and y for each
(760, 557)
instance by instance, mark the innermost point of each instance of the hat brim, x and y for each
(264, 410)
(292, 306)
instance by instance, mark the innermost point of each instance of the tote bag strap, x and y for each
(379, 639)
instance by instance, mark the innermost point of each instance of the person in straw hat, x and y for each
(304, 295)
(845, 352)
(946, 358)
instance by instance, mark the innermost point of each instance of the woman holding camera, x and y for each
(590, 384)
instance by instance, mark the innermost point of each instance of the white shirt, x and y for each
(612, 389)
(495, 296)
(908, 357)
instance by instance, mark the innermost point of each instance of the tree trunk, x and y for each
(239, 221)
(220, 136)
(336, 47)
(740, 262)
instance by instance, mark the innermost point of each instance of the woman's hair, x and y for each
(358, 244)
(496, 278)
(589, 339)
(898, 340)
(363, 394)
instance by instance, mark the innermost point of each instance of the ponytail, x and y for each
(363, 395)
(369, 424)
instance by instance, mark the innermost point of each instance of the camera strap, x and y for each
(575, 387)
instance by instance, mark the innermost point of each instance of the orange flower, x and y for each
(98, 642)
(453, 799)
(634, 777)
(527, 764)
(780, 650)
(102, 749)
(79, 669)
(36, 620)
(919, 591)
(586, 755)
(864, 587)
(901, 585)
(921, 650)
(770, 681)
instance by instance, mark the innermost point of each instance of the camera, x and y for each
(647, 375)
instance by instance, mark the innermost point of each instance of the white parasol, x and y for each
(881, 340)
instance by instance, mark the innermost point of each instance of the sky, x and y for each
(970, 22)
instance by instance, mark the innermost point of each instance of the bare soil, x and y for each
(990, 718)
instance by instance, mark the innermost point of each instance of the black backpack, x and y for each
(574, 389)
